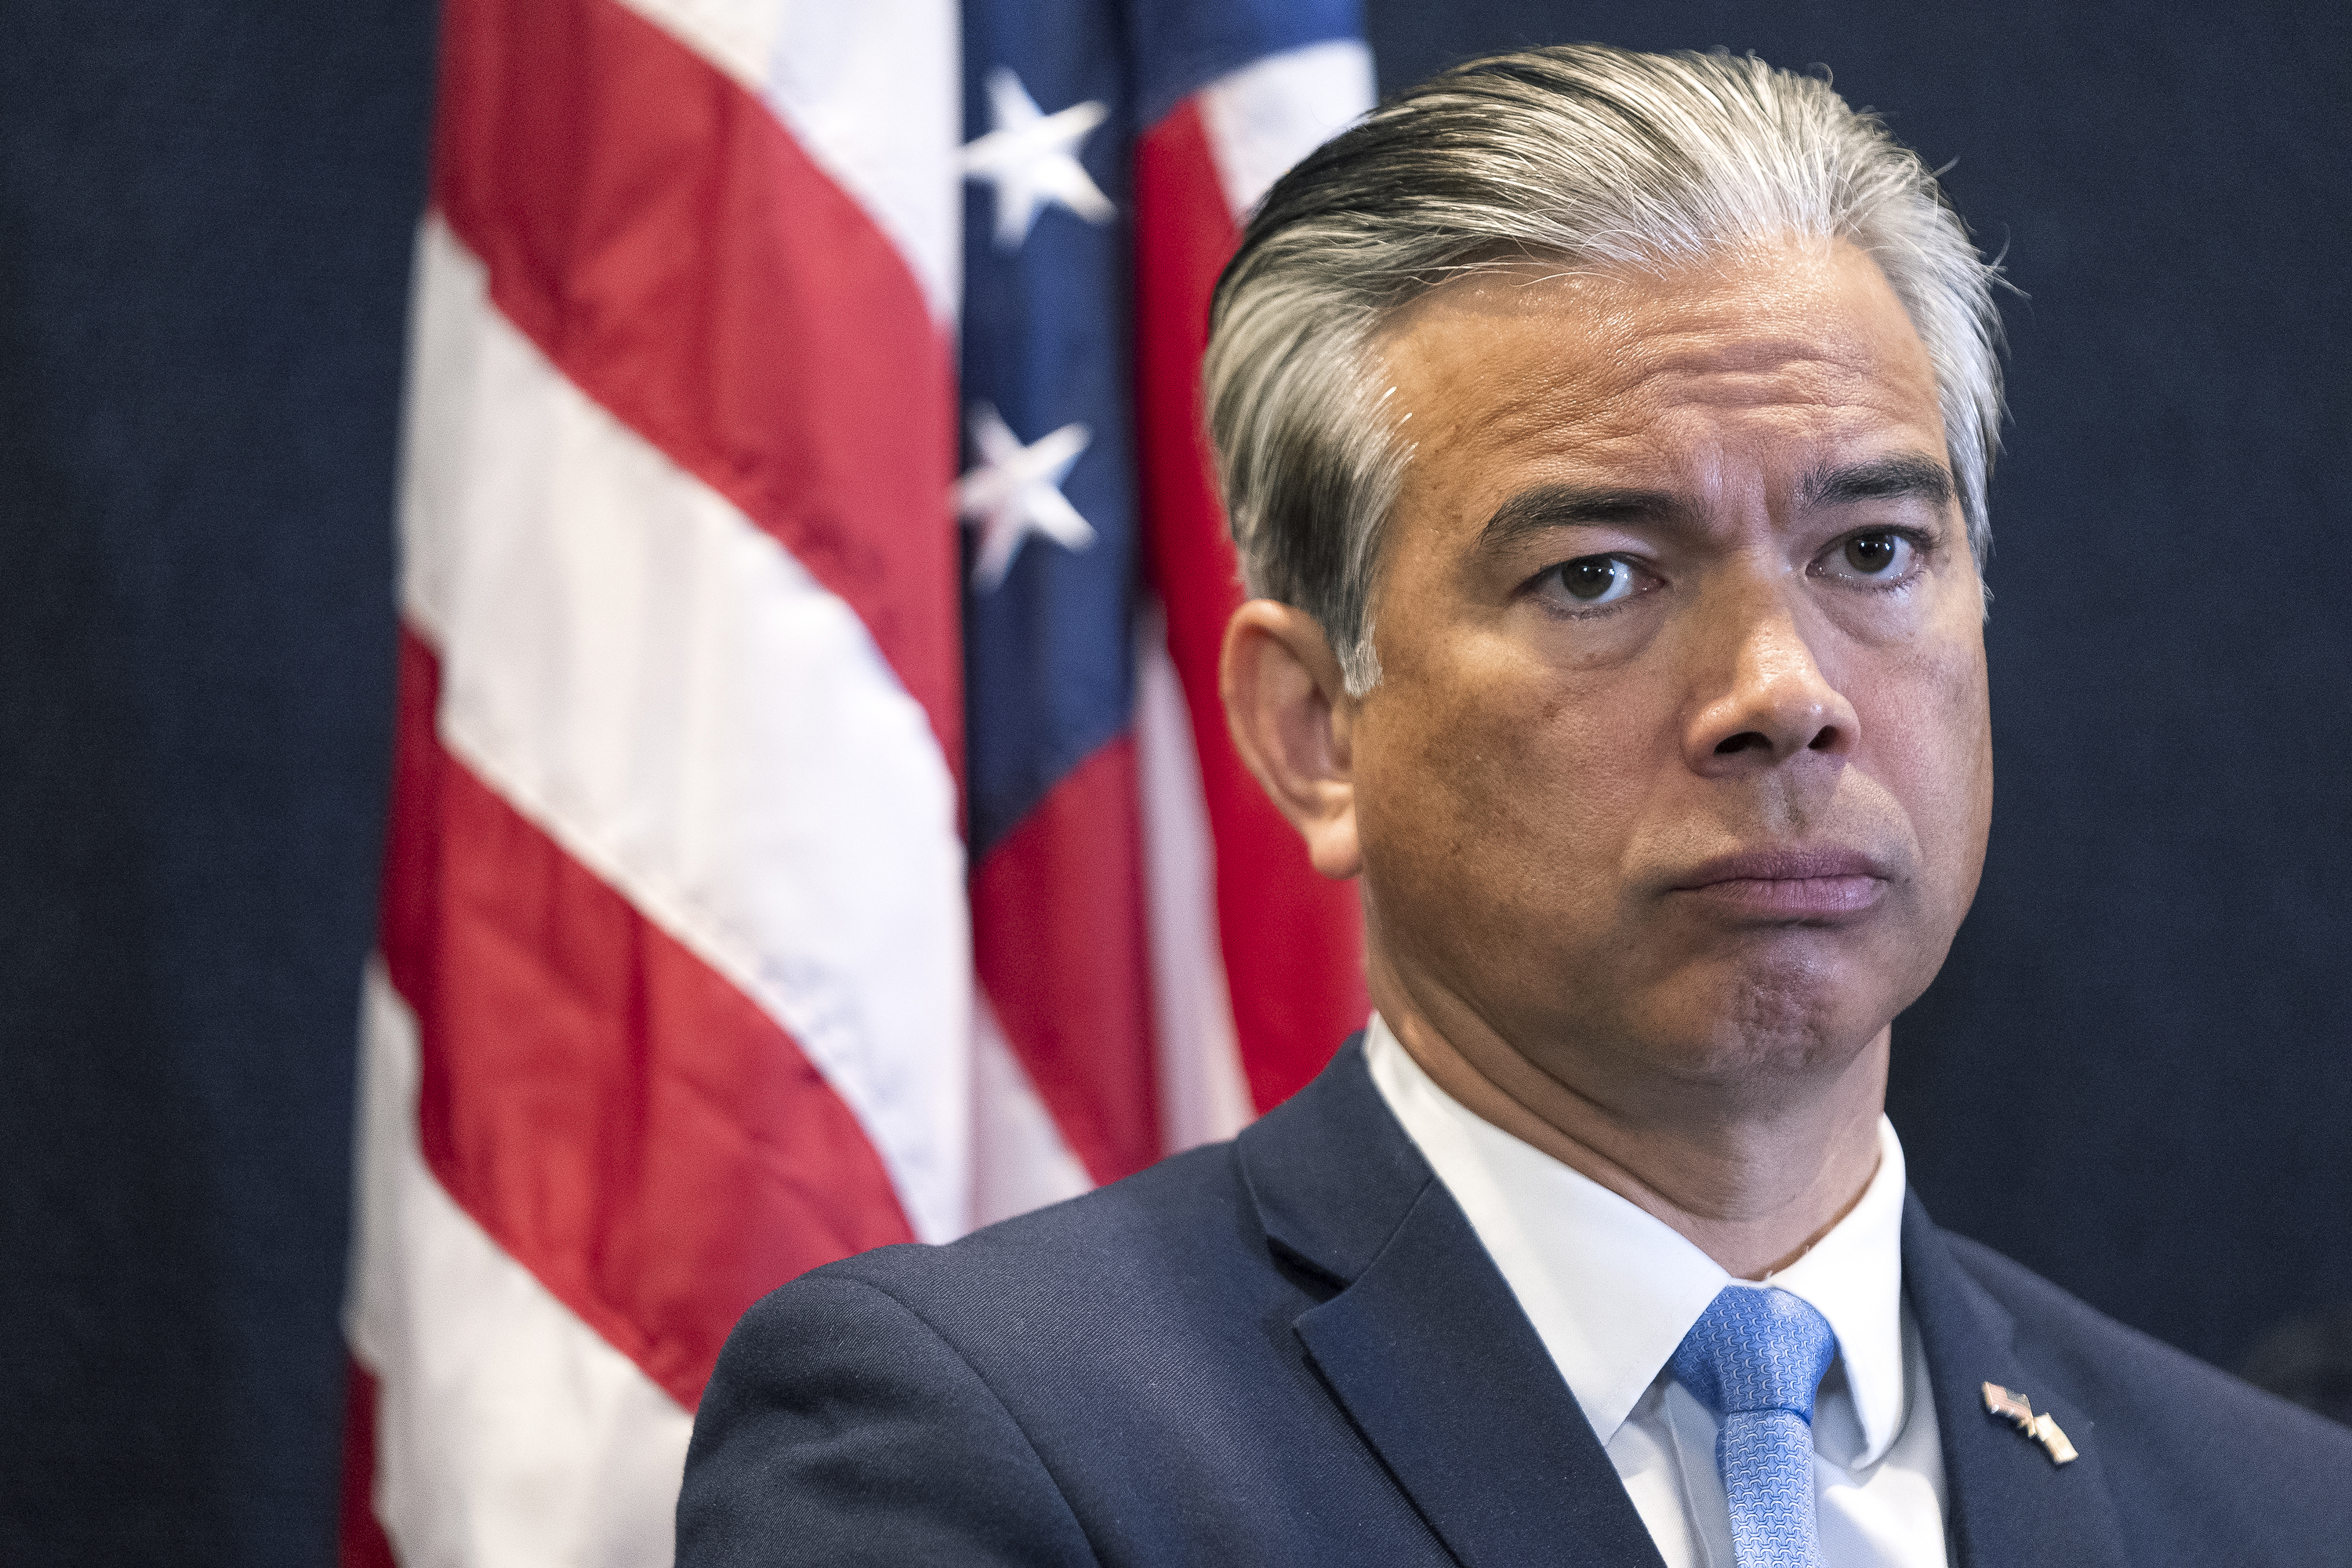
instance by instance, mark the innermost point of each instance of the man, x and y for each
(1606, 435)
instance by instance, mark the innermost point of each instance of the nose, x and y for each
(1770, 701)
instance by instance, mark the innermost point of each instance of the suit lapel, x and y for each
(1424, 1344)
(2008, 1502)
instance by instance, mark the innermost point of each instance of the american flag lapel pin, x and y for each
(2018, 1410)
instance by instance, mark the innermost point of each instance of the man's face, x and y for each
(1680, 754)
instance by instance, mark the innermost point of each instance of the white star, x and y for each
(1016, 491)
(1032, 159)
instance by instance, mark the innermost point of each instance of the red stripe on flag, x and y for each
(1293, 942)
(619, 1117)
(1058, 939)
(360, 1542)
(654, 229)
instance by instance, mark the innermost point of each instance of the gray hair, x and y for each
(1582, 153)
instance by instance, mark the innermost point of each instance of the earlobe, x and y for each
(1291, 717)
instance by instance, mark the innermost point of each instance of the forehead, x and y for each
(1766, 360)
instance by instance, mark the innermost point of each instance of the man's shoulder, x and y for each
(920, 1404)
(2179, 1437)
(1086, 1372)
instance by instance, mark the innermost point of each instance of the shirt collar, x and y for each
(1612, 1289)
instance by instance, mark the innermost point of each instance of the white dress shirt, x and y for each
(1611, 1290)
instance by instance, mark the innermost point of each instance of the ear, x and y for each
(1291, 717)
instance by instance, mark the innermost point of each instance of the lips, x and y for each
(1789, 884)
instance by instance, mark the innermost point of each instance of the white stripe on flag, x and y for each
(678, 704)
(1272, 112)
(1204, 1095)
(871, 92)
(1020, 1160)
(507, 1431)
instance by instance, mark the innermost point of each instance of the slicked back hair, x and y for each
(1584, 155)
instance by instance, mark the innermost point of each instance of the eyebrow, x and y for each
(1903, 477)
(1546, 507)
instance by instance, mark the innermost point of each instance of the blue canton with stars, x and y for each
(1055, 92)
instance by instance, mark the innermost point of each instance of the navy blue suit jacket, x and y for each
(1292, 1349)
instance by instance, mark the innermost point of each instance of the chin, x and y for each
(1774, 1024)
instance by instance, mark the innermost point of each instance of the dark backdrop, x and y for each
(2132, 1075)
(206, 215)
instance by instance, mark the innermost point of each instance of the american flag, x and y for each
(776, 868)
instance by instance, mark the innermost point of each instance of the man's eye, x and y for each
(1592, 581)
(1887, 557)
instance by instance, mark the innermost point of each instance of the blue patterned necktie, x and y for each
(1755, 1358)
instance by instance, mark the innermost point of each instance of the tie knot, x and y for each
(1756, 1350)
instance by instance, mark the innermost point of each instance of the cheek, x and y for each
(1934, 750)
(1503, 791)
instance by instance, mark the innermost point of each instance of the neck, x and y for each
(1752, 1171)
